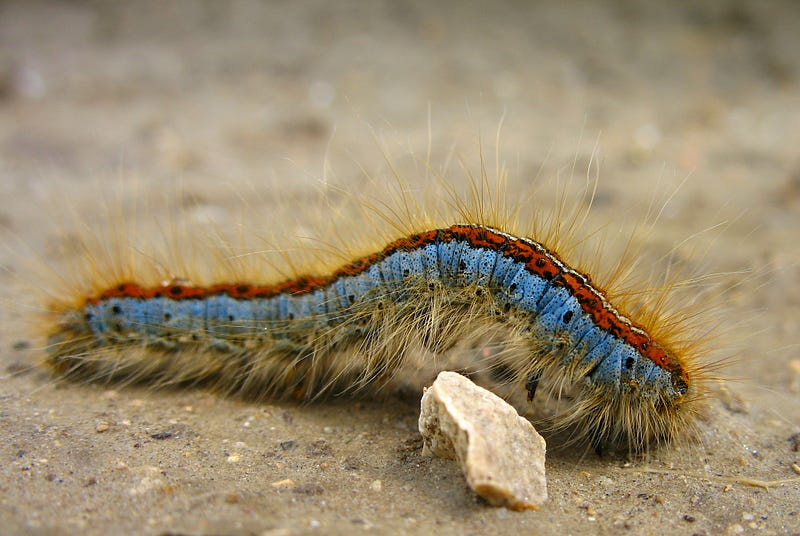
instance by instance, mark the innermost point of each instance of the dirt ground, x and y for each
(216, 94)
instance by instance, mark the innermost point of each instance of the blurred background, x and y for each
(227, 89)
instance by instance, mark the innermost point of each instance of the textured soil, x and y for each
(215, 95)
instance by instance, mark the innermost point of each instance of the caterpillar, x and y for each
(357, 325)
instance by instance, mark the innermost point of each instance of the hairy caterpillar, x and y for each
(440, 281)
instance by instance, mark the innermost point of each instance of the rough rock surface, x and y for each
(501, 453)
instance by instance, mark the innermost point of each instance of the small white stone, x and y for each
(283, 484)
(501, 453)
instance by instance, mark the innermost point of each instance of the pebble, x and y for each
(283, 484)
(501, 453)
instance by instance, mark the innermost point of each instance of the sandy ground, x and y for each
(219, 94)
